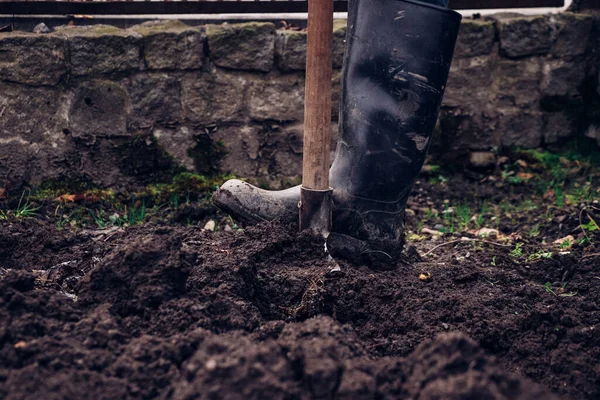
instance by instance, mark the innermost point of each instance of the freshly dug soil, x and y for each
(181, 313)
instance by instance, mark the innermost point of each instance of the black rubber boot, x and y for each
(396, 65)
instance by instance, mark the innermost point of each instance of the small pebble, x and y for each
(210, 225)
(445, 325)
(41, 28)
(488, 232)
(227, 228)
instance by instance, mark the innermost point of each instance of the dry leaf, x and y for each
(522, 164)
(525, 175)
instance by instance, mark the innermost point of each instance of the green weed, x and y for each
(517, 251)
(25, 210)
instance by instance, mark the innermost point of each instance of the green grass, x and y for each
(26, 209)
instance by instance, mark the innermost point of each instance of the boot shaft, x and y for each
(396, 66)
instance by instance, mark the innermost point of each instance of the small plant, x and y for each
(99, 219)
(566, 244)
(25, 210)
(479, 220)
(3, 216)
(540, 255)
(136, 214)
(548, 287)
(535, 231)
(464, 216)
(517, 251)
(591, 226)
(493, 261)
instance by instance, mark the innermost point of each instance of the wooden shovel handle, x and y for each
(317, 103)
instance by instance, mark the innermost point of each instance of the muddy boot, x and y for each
(396, 65)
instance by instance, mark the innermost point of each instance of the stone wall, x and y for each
(120, 107)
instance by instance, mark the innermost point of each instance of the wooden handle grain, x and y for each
(317, 102)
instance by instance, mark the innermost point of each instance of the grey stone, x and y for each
(336, 93)
(32, 115)
(243, 148)
(279, 98)
(209, 98)
(469, 83)
(557, 126)
(171, 45)
(520, 128)
(593, 132)
(290, 50)
(41, 28)
(155, 98)
(177, 142)
(562, 78)
(517, 83)
(247, 46)
(574, 33)
(482, 159)
(339, 42)
(525, 36)
(99, 109)
(475, 38)
(101, 49)
(289, 150)
(32, 59)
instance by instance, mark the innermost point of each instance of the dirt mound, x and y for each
(184, 314)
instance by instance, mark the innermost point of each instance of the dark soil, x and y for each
(175, 312)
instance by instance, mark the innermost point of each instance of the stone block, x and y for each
(520, 128)
(573, 34)
(593, 132)
(336, 94)
(99, 109)
(171, 45)
(469, 83)
(243, 149)
(155, 98)
(290, 50)
(482, 159)
(248, 46)
(278, 98)
(32, 59)
(214, 97)
(101, 49)
(517, 83)
(339, 42)
(562, 78)
(177, 142)
(557, 126)
(525, 36)
(475, 38)
(31, 115)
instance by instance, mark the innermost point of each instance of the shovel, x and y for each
(316, 195)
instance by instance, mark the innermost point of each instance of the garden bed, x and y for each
(499, 287)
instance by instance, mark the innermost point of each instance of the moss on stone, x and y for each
(207, 155)
(224, 30)
(93, 31)
(339, 24)
(156, 27)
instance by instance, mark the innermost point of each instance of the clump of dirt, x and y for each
(182, 313)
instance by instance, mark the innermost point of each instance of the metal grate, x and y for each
(124, 7)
